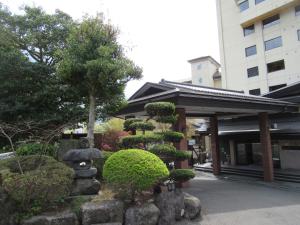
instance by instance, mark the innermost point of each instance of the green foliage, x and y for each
(37, 149)
(172, 136)
(135, 140)
(160, 109)
(136, 170)
(182, 175)
(128, 122)
(44, 183)
(28, 43)
(166, 119)
(99, 163)
(169, 153)
(112, 125)
(142, 126)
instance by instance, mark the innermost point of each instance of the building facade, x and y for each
(259, 44)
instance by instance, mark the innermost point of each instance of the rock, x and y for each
(146, 214)
(89, 173)
(79, 155)
(110, 211)
(85, 187)
(192, 206)
(7, 155)
(63, 218)
(171, 206)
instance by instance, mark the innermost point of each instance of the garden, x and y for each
(59, 74)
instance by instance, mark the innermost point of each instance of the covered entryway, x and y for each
(194, 101)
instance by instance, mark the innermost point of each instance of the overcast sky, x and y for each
(159, 35)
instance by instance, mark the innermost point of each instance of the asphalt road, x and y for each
(244, 202)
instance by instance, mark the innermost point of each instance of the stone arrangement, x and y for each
(165, 209)
(81, 161)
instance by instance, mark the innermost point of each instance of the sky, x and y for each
(159, 35)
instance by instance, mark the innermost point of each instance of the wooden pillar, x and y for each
(180, 126)
(232, 153)
(265, 140)
(215, 150)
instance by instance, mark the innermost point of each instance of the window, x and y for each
(297, 10)
(250, 51)
(258, 1)
(271, 21)
(298, 31)
(252, 72)
(254, 92)
(199, 67)
(249, 30)
(275, 66)
(275, 87)
(273, 43)
(244, 5)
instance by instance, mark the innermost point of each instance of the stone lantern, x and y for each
(81, 161)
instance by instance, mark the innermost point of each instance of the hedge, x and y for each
(134, 170)
(160, 109)
(172, 136)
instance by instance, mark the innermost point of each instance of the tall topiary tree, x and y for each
(160, 143)
(94, 63)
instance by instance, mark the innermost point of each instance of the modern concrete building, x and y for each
(259, 44)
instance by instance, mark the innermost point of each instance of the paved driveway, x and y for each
(228, 202)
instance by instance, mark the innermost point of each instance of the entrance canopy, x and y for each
(199, 101)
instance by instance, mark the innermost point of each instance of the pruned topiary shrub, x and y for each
(128, 122)
(134, 170)
(181, 175)
(43, 184)
(172, 136)
(160, 109)
(134, 141)
(168, 153)
(142, 126)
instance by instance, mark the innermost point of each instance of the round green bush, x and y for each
(135, 140)
(142, 126)
(182, 175)
(37, 149)
(128, 122)
(160, 109)
(137, 170)
(43, 184)
(172, 136)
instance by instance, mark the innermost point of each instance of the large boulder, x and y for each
(109, 211)
(192, 206)
(171, 206)
(85, 187)
(63, 218)
(146, 214)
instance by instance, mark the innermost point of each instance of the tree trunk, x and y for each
(91, 122)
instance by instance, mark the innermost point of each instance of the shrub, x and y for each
(160, 109)
(135, 140)
(172, 136)
(134, 170)
(166, 119)
(181, 175)
(37, 149)
(128, 122)
(142, 126)
(43, 184)
(168, 152)
(111, 140)
(99, 163)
